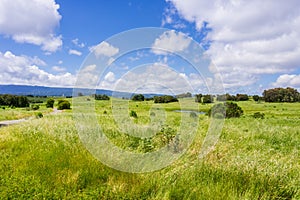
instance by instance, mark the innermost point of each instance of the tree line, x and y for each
(281, 95)
(14, 101)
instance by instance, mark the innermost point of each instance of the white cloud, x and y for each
(249, 38)
(58, 69)
(104, 49)
(32, 22)
(170, 41)
(75, 52)
(287, 80)
(24, 70)
(77, 43)
(156, 78)
(110, 76)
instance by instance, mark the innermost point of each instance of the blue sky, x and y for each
(253, 45)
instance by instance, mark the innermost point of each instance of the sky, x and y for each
(248, 46)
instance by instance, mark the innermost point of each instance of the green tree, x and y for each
(101, 97)
(138, 97)
(207, 98)
(226, 109)
(198, 98)
(255, 97)
(50, 103)
(165, 99)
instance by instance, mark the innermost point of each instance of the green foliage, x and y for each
(133, 114)
(14, 101)
(165, 99)
(258, 115)
(228, 97)
(198, 98)
(101, 97)
(35, 107)
(255, 97)
(39, 115)
(63, 104)
(50, 103)
(242, 97)
(207, 98)
(138, 97)
(226, 109)
(281, 95)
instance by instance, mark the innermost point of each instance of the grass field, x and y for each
(7, 113)
(253, 159)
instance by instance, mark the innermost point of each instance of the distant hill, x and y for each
(57, 91)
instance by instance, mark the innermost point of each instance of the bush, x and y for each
(258, 115)
(242, 97)
(39, 115)
(198, 98)
(63, 104)
(165, 99)
(35, 107)
(255, 97)
(101, 97)
(138, 97)
(133, 114)
(207, 99)
(227, 110)
(50, 103)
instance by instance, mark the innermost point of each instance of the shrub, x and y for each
(255, 97)
(39, 115)
(165, 99)
(50, 103)
(138, 97)
(63, 104)
(101, 97)
(207, 99)
(259, 115)
(35, 107)
(227, 110)
(198, 98)
(133, 114)
(242, 97)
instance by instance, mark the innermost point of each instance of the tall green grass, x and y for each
(253, 159)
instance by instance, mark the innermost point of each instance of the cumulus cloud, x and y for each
(110, 76)
(75, 52)
(155, 78)
(249, 38)
(32, 22)
(104, 49)
(288, 80)
(25, 70)
(170, 41)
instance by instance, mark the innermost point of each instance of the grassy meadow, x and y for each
(254, 158)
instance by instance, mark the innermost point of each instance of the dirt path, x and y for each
(16, 121)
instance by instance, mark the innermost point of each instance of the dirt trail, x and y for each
(16, 121)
